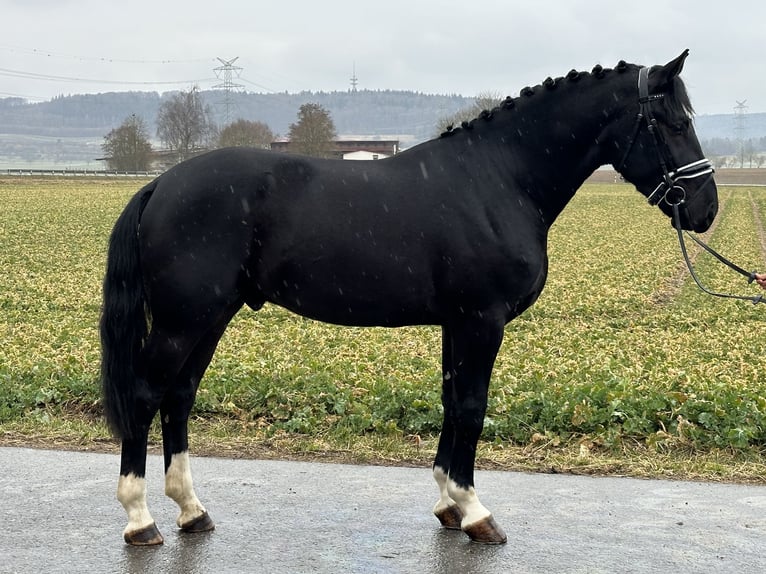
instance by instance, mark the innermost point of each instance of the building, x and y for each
(352, 148)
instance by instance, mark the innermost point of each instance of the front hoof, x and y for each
(147, 536)
(203, 523)
(486, 531)
(450, 517)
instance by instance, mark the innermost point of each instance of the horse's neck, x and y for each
(552, 147)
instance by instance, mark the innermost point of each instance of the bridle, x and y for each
(670, 178)
(670, 191)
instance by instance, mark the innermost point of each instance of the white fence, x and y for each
(78, 172)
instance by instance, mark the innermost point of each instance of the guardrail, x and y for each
(78, 172)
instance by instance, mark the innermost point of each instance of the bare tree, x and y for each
(483, 101)
(719, 161)
(314, 131)
(127, 147)
(184, 123)
(246, 133)
(749, 153)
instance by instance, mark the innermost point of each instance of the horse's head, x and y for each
(663, 157)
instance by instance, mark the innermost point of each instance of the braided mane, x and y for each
(676, 102)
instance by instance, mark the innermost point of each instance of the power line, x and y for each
(51, 78)
(104, 59)
(22, 96)
(257, 85)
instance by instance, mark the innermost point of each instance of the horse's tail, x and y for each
(125, 318)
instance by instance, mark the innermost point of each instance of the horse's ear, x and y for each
(663, 75)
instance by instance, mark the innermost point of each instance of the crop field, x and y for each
(621, 348)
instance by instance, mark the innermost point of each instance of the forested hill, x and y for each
(69, 130)
(384, 113)
(366, 112)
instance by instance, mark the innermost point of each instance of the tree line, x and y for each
(185, 127)
(726, 152)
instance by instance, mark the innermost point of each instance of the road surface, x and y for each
(59, 514)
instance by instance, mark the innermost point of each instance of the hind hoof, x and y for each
(486, 531)
(450, 517)
(147, 536)
(203, 523)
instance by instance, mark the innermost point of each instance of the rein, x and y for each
(669, 184)
(755, 299)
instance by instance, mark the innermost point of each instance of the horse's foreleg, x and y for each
(446, 509)
(471, 353)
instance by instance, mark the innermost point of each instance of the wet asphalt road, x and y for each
(59, 514)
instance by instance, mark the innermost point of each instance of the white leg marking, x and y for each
(441, 478)
(466, 499)
(131, 492)
(179, 487)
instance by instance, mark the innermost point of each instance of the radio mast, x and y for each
(354, 80)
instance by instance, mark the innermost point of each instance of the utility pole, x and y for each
(739, 130)
(226, 72)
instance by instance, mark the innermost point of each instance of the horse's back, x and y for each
(361, 243)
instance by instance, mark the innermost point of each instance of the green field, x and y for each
(620, 354)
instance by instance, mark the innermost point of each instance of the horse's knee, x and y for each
(469, 420)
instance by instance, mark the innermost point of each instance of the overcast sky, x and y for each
(52, 47)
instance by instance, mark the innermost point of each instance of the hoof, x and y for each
(147, 536)
(486, 531)
(203, 523)
(450, 517)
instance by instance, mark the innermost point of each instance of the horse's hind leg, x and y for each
(141, 529)
(131, 492)
(161, 359)
(174, 413)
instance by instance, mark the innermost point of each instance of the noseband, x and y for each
(669, 183)
(670, 178)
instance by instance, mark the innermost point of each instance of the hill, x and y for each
(69, 129)
(722, 126)
(72, 128)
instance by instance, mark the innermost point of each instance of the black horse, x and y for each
(452, 233)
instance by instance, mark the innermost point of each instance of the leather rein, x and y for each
(671, 192)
